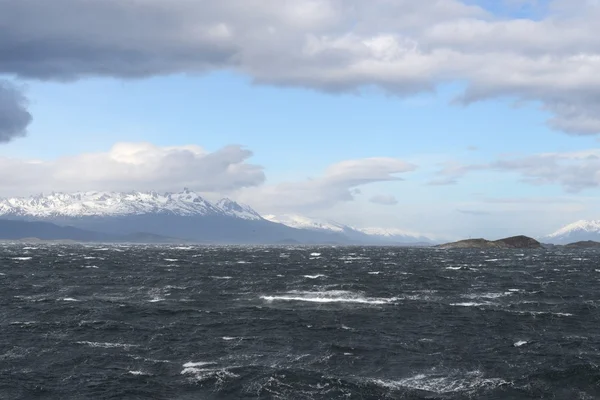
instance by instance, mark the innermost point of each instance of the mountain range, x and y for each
(184, 216)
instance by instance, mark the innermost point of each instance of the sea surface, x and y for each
(167, 322)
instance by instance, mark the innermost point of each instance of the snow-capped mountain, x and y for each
(368, 235)
(301, 222)
(105, 204)
(186, 215)
(575, 232)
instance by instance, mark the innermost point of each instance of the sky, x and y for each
(449, 118)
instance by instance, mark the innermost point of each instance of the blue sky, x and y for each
(331, 130)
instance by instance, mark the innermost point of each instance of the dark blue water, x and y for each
(92, 322)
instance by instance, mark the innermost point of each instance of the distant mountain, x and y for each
(187, 216)
(359, 235)
(116, 204)
(514, 242)
(46, 231)
(583, 230)
(13, 230)
(184, 215)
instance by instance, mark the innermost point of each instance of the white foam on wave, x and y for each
(374, 273)
(193, 364)
(91, 266)
(22, 258)
(156, 300)
(171, 259)
(137, 373)
(487, 295)
(221, 277)
(520, 343)
(89, 258)
(332, 296)
(107, 345)
(2, 274)
(315, 254)
(68, 299)
(315, 276)
(466, 383)
(469, 304)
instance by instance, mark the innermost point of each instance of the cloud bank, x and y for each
(401, 46)
(134, 166)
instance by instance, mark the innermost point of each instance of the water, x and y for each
(79, 322)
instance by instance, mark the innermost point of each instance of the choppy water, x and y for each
(83, 322)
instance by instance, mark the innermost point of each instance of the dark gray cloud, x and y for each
(402, 46)
(384, 199)
(14, 116)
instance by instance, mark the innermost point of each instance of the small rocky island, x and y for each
(514, 242)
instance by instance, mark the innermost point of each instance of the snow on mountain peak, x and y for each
(581, 226)
(301, 222)
(95, 203)
(382, 234)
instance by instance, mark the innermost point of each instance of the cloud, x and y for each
(384, 199)
(574, 171)
(402, 46)
(474, 212)
(337, 184)
(14, 117)
(134, 166)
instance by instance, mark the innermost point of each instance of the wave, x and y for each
(107, 345)
(333, 296)
(469, 382)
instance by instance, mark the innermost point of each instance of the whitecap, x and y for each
(138, 373)
(520, 343)
(334, 296)
(315, 254)
(171, 259)
(468, 382)
(192, 364)
(22, 258)
(68, 299)
(469, 304)
(91, 266)
(107, 345)
(492, 260)
(314, 276)
(221, 277)
(374, 273)
(156, 300)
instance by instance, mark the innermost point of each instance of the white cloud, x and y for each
(403, 46)
(574, 171)
(134, 166)
(384, 199)
(337, 184)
